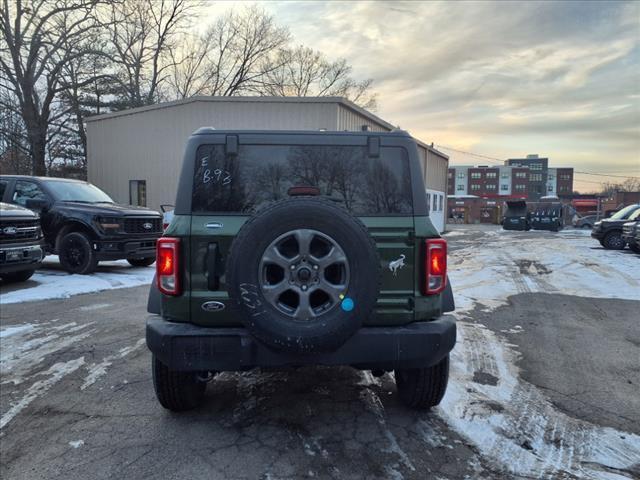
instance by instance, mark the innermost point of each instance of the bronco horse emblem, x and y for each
(396, 265)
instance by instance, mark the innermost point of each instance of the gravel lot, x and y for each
(544, 382)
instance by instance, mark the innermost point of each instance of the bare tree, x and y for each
(142, 35)
(303, 71)
(631, 184)
(231, 57)
(14, 150)
(34, 50)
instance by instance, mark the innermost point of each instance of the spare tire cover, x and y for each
(303, 275)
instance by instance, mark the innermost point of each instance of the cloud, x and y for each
(558, 78)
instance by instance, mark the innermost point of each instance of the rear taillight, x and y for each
(435, 266)
(167, 265)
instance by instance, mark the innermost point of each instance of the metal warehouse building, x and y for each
(136, 155)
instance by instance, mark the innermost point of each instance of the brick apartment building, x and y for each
(489, 182)
(544, 181)
(477, 194)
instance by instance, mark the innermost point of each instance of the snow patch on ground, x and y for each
(97, 370)
(54, 374)
(27, 346)
(76, 443)
(52, 282)
(488, 272)
(512, 423)
(15, 330)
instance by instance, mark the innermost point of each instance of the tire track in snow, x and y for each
(515, 426)
(512, 423)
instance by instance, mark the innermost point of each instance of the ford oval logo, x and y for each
(213, 306)
(10, 230)
(147, 226)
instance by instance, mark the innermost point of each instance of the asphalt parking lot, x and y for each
(544, 384)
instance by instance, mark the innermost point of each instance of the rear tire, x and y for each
(613, 241)
(141, 262)
(76, 254)
(423, 388)
(21, 276)
(176, 391)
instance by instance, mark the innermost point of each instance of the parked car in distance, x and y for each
(586, 222)
(83, 225)
(630, 231)
(609, 230)
(249, 277)
(517, 217)
(21, 250)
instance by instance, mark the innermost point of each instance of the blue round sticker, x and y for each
(347, 304)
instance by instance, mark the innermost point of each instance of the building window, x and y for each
(550, 176)
(475, 187)
(535, 166)
(441, 202)
(504, 187)
(491, 186)
(138, 193)
(492, 174)
(550, 188)
(476, 175)
(520, 187)
(564, 188)
(460, 188)
(504, 175)
(565, 176)
(461, 175)
(535, 177)
(521, 174)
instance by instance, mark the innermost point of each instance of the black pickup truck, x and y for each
(20, 243)
(609, 231)
(83, 225)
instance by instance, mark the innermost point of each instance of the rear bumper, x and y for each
(187, 347)
(17, 258)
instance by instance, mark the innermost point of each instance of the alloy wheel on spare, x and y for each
(304, 273)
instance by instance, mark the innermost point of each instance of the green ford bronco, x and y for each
(300, 248)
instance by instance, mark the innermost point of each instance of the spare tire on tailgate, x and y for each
(304, 275)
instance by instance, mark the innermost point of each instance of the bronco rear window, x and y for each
(262, 174)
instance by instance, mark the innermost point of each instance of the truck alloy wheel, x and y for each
(614, 241)
(76, 254)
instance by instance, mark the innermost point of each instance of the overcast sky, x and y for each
(499, 79)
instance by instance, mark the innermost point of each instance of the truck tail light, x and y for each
(435, 266)
(167, 265)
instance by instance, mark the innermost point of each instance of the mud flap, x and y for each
(448, 304)
(154, 302)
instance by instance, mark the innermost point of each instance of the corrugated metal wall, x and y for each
(435, 169)
(353, 121)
